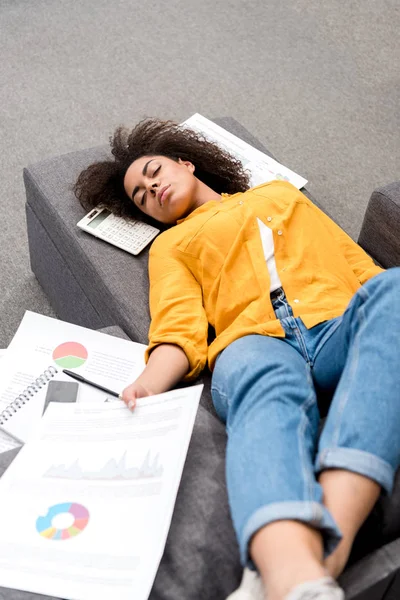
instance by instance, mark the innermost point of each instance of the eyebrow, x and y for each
(144, 172)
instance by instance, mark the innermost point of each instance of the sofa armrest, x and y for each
(374, 577)
(379, 234)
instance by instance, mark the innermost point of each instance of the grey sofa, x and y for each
(94, 284)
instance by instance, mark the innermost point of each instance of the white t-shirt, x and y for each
(267, 241)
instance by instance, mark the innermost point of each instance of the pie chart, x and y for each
(79, 519)
(70, 355)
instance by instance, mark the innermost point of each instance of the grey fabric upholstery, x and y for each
(375, 577)
(94, 284)
(201, 557)
(380, 231)
(111, 284)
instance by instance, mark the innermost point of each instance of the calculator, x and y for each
(132, 236)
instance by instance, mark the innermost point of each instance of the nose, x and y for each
(152, 186)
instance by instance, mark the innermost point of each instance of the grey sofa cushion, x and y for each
(201, 558)
(114, 282)
(380, 231)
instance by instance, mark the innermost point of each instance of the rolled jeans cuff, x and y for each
(357, 461)
(310, 513)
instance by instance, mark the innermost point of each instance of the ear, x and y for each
(187, 164)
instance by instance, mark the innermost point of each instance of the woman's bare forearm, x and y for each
(167, 365)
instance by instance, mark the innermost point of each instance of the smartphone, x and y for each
(61, 391)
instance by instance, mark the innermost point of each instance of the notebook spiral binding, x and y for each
(27, 394)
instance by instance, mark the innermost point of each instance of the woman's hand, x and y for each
(166, 367)
(134, 391)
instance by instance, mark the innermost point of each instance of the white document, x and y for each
(6, 441)
(89, 498)
(262, 167)
(41, 348)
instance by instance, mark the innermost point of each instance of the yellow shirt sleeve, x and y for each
(359, 261)
(176, 308)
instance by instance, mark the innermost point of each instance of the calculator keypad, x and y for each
(131, 236)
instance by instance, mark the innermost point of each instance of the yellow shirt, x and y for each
(210, 268)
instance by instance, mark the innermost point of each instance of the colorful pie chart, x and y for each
(44, 525)
(70, 355)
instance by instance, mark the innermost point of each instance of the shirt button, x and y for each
(240, 202)
(279, 232)
(269, 218)
(296, 300)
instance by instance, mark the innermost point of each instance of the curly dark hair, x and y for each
(103, 181)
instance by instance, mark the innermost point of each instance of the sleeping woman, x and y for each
(299, 311)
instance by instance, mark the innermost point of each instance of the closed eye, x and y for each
(143, 200)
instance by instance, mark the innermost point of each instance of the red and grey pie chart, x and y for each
(70, 355)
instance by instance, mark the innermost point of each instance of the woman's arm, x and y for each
(178, 332)
(166, 366)
(176, 305)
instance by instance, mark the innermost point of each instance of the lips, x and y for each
(162, 194)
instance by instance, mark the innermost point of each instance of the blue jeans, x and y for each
(265, 390)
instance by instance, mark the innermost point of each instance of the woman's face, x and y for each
(162, 188)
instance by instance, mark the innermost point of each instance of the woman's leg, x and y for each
(359, 449)
(349, 497)
(262, 389)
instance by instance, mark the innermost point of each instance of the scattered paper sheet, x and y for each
(43, 345)
(89, 498)
(6, 441)
(262, 167)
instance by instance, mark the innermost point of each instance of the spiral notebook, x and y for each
(22, 413)
(40, 349)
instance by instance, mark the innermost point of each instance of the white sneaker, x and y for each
(251, 587)
(325, 588)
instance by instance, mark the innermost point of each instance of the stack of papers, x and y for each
(90, 496)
